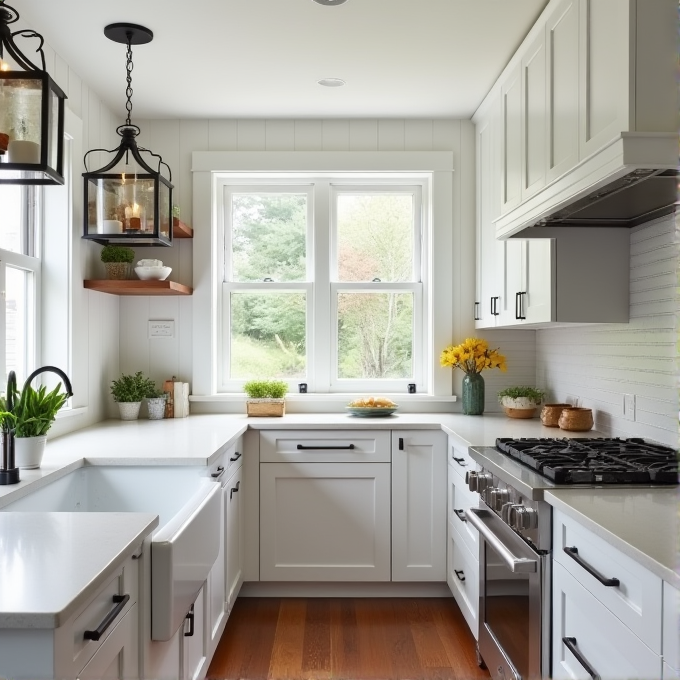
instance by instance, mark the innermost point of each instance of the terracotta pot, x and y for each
(550, 414)
(576, 419)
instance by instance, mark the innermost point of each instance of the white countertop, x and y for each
(642, 523)
(51, 563)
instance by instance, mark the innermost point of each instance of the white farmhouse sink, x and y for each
(184, 546)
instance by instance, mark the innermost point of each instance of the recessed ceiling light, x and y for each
(330, 3)
(331, 82)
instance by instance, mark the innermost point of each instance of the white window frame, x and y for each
(210, 169)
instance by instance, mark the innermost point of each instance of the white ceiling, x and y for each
(262, 58)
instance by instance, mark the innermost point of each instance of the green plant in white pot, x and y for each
(520, 401)
(35, 411)
(128, 391)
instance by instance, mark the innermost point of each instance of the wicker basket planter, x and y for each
(265, 407)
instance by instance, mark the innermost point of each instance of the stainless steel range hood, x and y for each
(629, 182)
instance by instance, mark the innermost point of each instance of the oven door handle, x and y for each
(517, 565)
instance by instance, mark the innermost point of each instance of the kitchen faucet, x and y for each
(9, 474)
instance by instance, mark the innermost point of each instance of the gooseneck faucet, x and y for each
(9, 474)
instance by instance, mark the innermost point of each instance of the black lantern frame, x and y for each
(48, 169)
(104, 188)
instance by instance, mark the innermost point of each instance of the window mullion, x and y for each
(321, 322)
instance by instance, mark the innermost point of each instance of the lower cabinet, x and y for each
(194, 657)
(234, 535)
(462, 577)
(324, 521)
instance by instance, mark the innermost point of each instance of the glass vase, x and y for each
(473, 394)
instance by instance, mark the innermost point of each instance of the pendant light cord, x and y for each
(129, 66)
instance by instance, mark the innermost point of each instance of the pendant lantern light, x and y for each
(129, 200)
(31, 112)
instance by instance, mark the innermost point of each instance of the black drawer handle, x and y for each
(570, 643)
(476, 315)
(237, 455)
(494, 306)
(609, 582)
(219, 473)
(460, 514)
(460, 461)
(459, 573)
(234, 489)
(302, 447)
(120, 601)
(190, 617)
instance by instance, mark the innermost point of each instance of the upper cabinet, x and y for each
(589, 74)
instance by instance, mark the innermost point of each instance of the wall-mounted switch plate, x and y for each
(162, 329)
(629, 406)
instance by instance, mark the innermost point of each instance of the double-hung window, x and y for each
(20, 214)
(323, 281)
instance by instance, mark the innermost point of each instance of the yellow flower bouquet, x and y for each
(472, 357)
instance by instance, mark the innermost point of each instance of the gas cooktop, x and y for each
(595, 460)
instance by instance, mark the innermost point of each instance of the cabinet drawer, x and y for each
(462, 576)
(73, 649)
(602, 640)
(325, 446)
(459, 459)
(637, 598)
(671, 619)
(460, 500)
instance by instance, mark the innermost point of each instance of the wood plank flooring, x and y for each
(346, 639)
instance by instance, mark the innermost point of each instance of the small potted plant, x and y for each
(117, 261)
(265, 397)
(35, 411)
(155, 401)
(520, 401)
(128, 391)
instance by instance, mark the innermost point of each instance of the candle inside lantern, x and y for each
(23, 151)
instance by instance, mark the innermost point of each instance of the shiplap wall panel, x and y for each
(280, 135)
(335, 135)
(222, 135)
(418, 135)
(252, 135)
(308, 135)
(391, 135)
(597, 365)
(363, 135)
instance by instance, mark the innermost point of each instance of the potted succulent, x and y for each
(35, 411)
(155, 401)
(117, 261)
(265, 397)
(128, 391)
(520, 401)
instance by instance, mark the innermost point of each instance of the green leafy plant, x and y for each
(155, 393)
(36, 410)
(265, 389)
(531, 393)
(113, 253)
(131, 388)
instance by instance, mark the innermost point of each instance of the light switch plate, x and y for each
(629, 406)
(162, 329)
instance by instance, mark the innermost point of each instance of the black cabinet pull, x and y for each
(494, 306)
(218, 473)
(120, 601)
(460, 514)
(460, 461)
(570, 644)
(237, 455)
(459, 573)
(519, 308)
(401, 443)
(476, 311)
(234, 489)
(190, 617)
(573, 553)
(302, 447)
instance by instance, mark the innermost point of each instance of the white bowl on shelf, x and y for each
(153, 273)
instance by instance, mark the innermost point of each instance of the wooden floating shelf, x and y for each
(138, 287)
(181, 230)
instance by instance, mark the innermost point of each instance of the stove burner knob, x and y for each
(471, 480)
(521, 517)
(498, 498)
(478, 481)
(505, 512)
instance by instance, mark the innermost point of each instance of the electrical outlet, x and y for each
(629, 406)
(162, 329)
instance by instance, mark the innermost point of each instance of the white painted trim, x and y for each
(325, 589)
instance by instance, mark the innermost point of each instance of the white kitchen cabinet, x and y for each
(194, 648)
(325, 521)
(671, 629)
(511, 140)
(460, 499)
(462, 577)
(234, 535)
(597, 638)
(418, 505)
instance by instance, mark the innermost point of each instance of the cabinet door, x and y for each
(216, 594)
(599, 637)
(118, 657)
(511, 141)
(418, 505)
(562, 46)
(462, 577)
(537, 302)
(234, 536)
(534, 96)
(194, 655)
(514, 283)
(606, 82)
(325, 521)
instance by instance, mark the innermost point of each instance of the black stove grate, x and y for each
(595, 460)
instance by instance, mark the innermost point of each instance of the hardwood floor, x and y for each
(346, 639)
